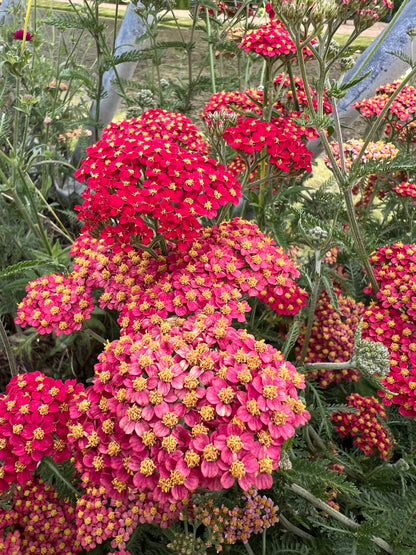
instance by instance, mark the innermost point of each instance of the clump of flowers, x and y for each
(298, 97)
(280, 138)
(221, 269)
(56, 303)
(406, 189)
(271, 40)
(374, 152)
(227, 526)
(33, 418)
(38, 521)
(188, 404)
(332, 338)
(365, 425)
(401, 115)
(143, 189)
(249, 101)
(401, 383)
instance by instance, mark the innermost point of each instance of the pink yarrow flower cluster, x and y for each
(33, 417)
(378, 151)
(221, 269)
(189, 404)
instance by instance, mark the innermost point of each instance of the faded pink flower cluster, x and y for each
(255, 514)
(374, 152)
(188, 404)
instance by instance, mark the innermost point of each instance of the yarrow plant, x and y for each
(226, 363)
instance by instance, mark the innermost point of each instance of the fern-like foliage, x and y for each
(62, 476)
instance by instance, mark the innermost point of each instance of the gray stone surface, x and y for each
(384, 67)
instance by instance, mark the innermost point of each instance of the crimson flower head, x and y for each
(18, 35)
(139, 185)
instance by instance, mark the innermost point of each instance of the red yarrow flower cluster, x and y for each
(286, 149)
(406, 189)
(38, 521)
(332, 338)
(140, 186)
(249, 101)
(272, 41)
(33, 417)
(189, 404)
(365, 426)
(254, 515)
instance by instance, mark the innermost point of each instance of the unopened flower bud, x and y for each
(285, 463)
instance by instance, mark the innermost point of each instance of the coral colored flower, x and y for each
(365, 425)
(33, 415)
(194, 435)
(378, 151)
(18, 35)
(401, 115)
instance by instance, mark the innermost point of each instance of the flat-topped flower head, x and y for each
(250, 101)
(281, 138)
(33, 414)
(224, 266)
(140, 186)
(332, 338)
(401, 115)
(182, 405)
(37, 521)
(272, 41)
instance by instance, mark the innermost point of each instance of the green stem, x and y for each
(358, 240)
(264, 542)
(211, 54)
(248, 549)
(319, 504)
(294, 529)
(8, 350)
(328, 365)
(312, 307)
